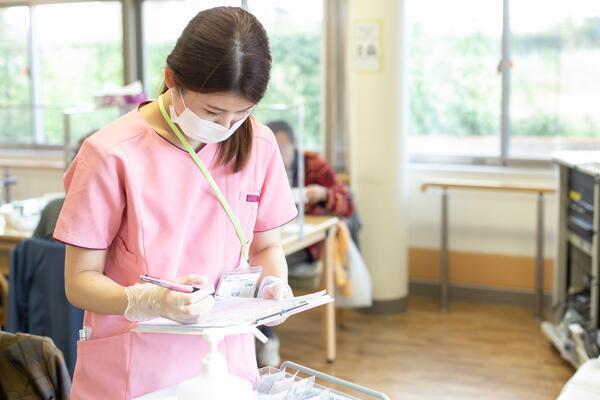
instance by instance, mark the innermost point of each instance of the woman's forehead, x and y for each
(220, 101)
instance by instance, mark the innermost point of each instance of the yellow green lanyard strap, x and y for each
(236, 223)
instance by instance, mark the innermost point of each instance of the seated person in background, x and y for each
(48, 218)
(49, 215)
(326, 194)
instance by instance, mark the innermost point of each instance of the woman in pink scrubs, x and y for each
(137, 204)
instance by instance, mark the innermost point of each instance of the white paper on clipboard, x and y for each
(233, 312)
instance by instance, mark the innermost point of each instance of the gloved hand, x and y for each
(273, 287)
(147, 301)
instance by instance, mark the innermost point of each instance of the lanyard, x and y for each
(236, 223)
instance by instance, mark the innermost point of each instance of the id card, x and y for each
(239, 282)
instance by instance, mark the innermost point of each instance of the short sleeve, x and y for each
(94, 201)
(276, 206)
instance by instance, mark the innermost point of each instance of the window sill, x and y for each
(32, 159)
(544, 171)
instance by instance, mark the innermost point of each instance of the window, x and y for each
(56, 56)
(80, 53)
(295, 31)
(556, 76)
(15, 85)
(455, 79)
(455, 88)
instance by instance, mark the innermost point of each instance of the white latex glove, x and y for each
(273, 287)
(147, 301)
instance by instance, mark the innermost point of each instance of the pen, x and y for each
(178, 287)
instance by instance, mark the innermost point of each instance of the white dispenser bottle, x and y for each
(215, 382)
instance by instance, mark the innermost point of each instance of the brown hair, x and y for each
(224, 49)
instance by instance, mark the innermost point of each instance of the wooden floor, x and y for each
(474, 351)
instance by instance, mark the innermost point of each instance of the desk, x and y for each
(540, 190)
(318, 229)
(9, 238)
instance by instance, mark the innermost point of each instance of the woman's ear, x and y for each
(169, 78)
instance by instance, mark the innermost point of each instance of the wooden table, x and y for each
(319, 229)
(12, 237)
(540, 190)
(9, 238)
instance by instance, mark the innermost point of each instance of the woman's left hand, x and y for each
(273, 287)
(316, 194)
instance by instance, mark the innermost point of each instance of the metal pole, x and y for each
(539, 259)
(66, 138)
(9, 180)
(35, 78)
(301, 166)
(131, 69)
(444, 253)
(505, 66)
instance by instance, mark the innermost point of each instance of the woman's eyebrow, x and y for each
(223, 110)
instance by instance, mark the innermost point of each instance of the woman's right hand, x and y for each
(185, 308)
(147, 301)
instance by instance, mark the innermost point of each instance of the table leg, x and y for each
(444, 253)
(329, 329)
(539, 260)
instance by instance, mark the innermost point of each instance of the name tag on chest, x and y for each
(239, 283)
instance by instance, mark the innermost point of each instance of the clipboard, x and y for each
(233, 315)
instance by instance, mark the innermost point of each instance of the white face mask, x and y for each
(200, 129)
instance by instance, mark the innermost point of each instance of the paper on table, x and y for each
(237, 311)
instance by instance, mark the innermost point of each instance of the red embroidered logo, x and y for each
(252, 198)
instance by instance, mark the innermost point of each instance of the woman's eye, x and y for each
(213, 114)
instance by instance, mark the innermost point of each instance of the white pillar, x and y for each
(377, 107)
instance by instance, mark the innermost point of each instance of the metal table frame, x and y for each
(540, 190)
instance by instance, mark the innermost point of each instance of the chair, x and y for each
(31, 367)
(37, 302)
(3, 299)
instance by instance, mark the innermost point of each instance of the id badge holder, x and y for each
(240, 282)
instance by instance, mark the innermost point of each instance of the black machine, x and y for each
(577, 270)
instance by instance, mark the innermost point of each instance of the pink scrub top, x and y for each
(134, 193)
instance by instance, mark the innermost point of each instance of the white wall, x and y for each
(35, 182)
(484, 222)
